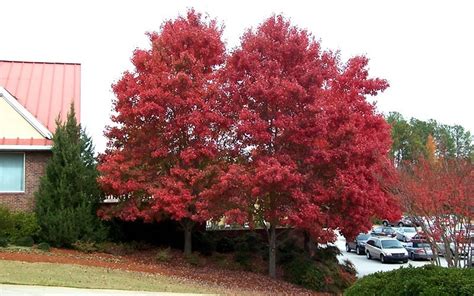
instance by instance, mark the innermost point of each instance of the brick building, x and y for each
(32, 96)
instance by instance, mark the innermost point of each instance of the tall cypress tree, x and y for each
(68, 195)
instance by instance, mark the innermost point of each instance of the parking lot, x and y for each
(365, 266)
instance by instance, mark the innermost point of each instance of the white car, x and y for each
(385, 249)
(405, 234)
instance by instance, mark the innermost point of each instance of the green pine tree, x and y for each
(68, 196)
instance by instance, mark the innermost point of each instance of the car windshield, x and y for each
(389, 230)
(409, 229)
(363, 237)
(391, 244)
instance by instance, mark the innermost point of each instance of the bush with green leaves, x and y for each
(164, 255)
(204, 243)
(302, 271)
(225, 245)
(244, 259)
(322, 272)
(26, 241)
(247, 246)
(16, 225)
(3, 242)
(426, 280)
(85, 246)
(6, 222)
(43, 247)
(25, 225)
(194, 260)
(68, 196)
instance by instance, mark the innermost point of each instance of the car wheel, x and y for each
(385, 223)
(358, 250)
(400, 224)
(367, 253)
(405, 261)
(382, 258)
(348, 249)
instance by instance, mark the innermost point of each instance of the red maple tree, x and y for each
(281, 135)
(163, 146)
(310, 150)
(438, 194)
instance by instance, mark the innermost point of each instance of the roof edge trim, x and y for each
(26, 147)
(31, 62)
(10, 99)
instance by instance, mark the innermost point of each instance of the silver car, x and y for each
(385, 249)
(419, 250)
(405, 234)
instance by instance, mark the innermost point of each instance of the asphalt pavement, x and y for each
(365, 266)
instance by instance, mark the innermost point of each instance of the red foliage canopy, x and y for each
(162, 147)
(314, 150)
(438, 188)
(303, 146)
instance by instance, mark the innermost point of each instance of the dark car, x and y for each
(404, 221)
(419, 250)
(358, 244)
(383, 231)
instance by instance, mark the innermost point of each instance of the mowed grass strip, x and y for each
(77, 276)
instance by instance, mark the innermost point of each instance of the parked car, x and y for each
(419, 250)
(466, 231)
(405, 234)
(419, 236)
(386, 249)
(383, 231)
(463, 249)
(404, 221)
(358, 244)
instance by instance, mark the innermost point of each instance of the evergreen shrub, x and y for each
(68, 196)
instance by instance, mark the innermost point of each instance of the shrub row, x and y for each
(208, 243)
(17, 227)
(426, 280)
(322, 272)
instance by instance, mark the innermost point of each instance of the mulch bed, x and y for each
(231, 281)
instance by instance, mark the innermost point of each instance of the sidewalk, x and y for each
(20, 290)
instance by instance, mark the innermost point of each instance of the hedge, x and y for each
(17, 225)
(426, 280)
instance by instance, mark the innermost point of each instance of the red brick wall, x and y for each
(35, 165)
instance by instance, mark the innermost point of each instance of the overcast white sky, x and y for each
(424, 48)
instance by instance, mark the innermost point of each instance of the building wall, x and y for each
(35, 166)
(13, 125)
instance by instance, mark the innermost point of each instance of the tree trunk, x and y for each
(272, 251)
(188, 227)
(306, 242)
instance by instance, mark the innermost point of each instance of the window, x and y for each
(377, 244)
(391, 244)
(12, 172)
(363, 237)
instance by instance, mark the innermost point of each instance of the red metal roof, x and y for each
(46, 90)
(30, 142)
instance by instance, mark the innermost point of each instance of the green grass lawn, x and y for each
(65, 275)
